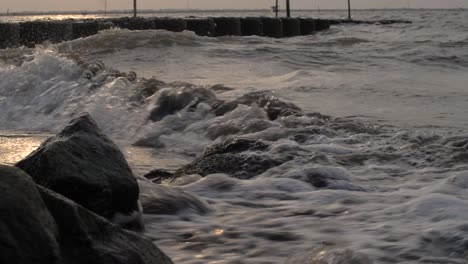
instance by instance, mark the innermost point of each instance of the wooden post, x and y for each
(288, 8)
(349, 9)
(134, 8)
(277, 8)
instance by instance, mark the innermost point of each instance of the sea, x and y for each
(385, 132)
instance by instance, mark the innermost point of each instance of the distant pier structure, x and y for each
(31, 33)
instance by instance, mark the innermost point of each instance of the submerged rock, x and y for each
(28, 231)
(231, 157)
(171, 101)
(160, 199)
(88, 238)
(84, 165)
(274, 107)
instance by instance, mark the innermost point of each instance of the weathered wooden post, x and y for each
(288, 8)
(349, 9)
(277, 8)
(134, 8)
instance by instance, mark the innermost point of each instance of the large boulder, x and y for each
(87, 238)
(274, 107)
(28, 231)
(171, 101)
(84, 165)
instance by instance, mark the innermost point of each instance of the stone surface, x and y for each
(88, 238)
(10, 35)
(273, 106)
(272, 27)
(239, 158)
(307, 26)
(28, 231)
(84, 29)
(170, 24)
(252, 26)
(171, 101)
(291, 27)
(202, 26)
(228, 26)
(85, 166)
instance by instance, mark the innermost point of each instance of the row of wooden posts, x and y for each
(276, 9)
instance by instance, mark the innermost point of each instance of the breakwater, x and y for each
(31, 33)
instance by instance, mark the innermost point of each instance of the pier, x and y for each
(31, 33)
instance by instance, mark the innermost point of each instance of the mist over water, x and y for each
(391, 159)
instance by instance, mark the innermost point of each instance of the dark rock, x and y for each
(170, 24)
(85, 166)
(322, 24)
(242, 165)
(88, 238)
(33, 32)
(84, 29)
(235, 145)
(10, 35)
(146, 88)
(220, 88)
(272, 27)
(228, 26)
(28, 231)
(252, 26)
(202, 26)
(274, 107)
(307, 26)
(165, 200)
(134, 23)
(169, 102)
(291, 27)
(59, 31)
(158, 175)
(229, 157)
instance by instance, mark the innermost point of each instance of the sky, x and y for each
(64, 5)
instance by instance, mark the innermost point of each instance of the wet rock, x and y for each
(82, 29)
(252, 26)
(134, 23)
(171, 101)
(88, 238)
(228, 26)
(33, 32)
(272, 27)
(235, 145)
(84, 165)
(146, 88)
(170, 24)
(231, 157)
(220, 88)
(291, 27)
(307, 26)
(202, 26)
(164, 200)
(329, 256)
(28, 231)
(274, 107)
(158, 175)
(322, 24)
(10, 35)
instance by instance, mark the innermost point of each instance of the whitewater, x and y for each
(374, 170)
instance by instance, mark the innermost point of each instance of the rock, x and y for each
(84, 165)
(307, 26)
(158, 176)
(134, 23)
(274, 107)
(10, 33)
(272, 27)
(322, 24)
(82, 29)
(230, 157)
(330, 256)
(29, 234)
(202, 26)
(228, 26)
(252, 26)
(291, 27)
(171, 101)
(88, 238)
(165, 200)
(170, 24)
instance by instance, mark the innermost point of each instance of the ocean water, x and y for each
(385, 132)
